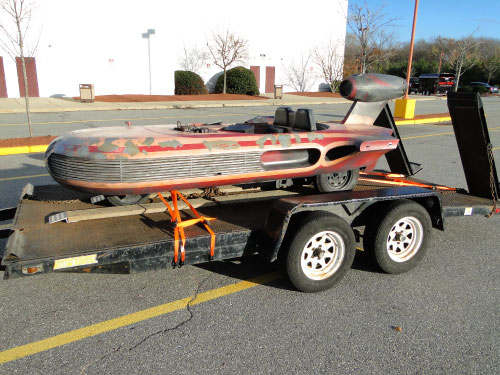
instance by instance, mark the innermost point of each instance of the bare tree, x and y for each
(226, 48)
(19, 13)
(330, 62)
(372, 31)
(489, 51)
(298, 74)
(193, 59)
(461, 55)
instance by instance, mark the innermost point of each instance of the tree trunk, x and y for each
(457, 80)
(26, 94)
(25, 76)
(224, 88)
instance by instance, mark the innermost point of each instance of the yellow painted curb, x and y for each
(22, 149)
(423, 121)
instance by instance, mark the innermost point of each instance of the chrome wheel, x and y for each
(338, 180)
(322, 255)
(404, 239)
(125, 200)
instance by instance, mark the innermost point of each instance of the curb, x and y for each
(423, 121)
(43, 148)
(22, 149)
(176, 105)
(122, 106)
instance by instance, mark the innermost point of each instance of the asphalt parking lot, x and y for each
(242, 316)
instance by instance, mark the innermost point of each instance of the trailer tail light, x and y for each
(31, 270)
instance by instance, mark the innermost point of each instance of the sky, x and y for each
(447, 18)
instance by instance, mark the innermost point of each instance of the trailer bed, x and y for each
(145, 242)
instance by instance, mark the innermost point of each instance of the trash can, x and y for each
(87, 92)
(278, 91)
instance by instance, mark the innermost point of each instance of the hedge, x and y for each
(189, 83)
(239, 80)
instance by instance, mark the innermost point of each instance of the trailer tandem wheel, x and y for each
(397, 238)
(320, 253)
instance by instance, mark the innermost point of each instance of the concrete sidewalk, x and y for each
(17, 105)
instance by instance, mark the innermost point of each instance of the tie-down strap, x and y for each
(180, 225)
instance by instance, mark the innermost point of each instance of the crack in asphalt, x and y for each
(85, 368)
(188, 309)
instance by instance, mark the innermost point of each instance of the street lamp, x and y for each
(146, 36)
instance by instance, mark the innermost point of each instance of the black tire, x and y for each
(125, 200)
(333, 259)
(336, 181)
(397, 238)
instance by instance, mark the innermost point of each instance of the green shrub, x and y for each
(189, 83)
(239, 80)
(465, 89)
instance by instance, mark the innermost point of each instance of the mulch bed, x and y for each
(171, 98)
(323, 94)
(34, 141)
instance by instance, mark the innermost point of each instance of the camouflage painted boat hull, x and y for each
(140, 160)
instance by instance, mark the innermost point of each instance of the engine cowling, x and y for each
(370, 87)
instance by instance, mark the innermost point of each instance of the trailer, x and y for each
(314, 236)
(435, 83)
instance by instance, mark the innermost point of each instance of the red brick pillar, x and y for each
(32, 77)
(3, 84)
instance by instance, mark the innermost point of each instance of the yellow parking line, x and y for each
(126, 320)
(22, 177)
(437, 134)
(427, 135)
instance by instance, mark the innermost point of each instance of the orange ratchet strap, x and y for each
(180, 225)
(395, 180)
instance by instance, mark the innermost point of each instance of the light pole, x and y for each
(146, 36)
(405, 107)
(410, 58)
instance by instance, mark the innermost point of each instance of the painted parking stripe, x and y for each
(23, 177)
(134, 318)
(125, 119)
(438, 134)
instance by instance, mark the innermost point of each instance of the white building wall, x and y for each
(100, 41)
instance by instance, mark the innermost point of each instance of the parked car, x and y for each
(487, 87)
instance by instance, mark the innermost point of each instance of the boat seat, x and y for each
(284, 116)
(304, 120)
